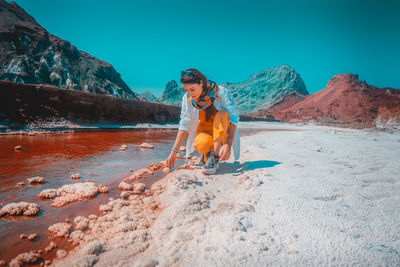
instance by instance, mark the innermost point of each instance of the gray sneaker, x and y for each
(199, 164)
(211, 165)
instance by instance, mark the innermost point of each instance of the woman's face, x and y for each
(193, 89)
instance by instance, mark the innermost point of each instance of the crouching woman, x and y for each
(209, 118)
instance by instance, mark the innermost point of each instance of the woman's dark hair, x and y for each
(196, 77)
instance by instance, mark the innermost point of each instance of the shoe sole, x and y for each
(209, 171)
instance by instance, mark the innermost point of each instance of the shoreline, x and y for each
(269, 126)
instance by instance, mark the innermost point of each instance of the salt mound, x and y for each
(125, 186)
(60, 229)
(157, 166)
(75, 176)
(36, 180)
(20, 208)
(20, 184)
(140, 174)
(137, 188)
(70, 193)
(146, 146)
(25, 258)
(50, 247)
(18, 148)
(81, 223)
(123, 147)
(103, 188)
(32, 236)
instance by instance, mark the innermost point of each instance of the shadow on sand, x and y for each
(239, 168)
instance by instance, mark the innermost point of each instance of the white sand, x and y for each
(317, 197)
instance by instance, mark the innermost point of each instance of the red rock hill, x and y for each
(345, 101)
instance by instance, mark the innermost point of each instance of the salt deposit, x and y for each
(123, 147)
(103, 189)
(70, 193)
(81, 223)
(18, 148)
(146, 146)
(50, 247)
(35, 180)
(20, 184)
(23, 236)
(157, 166)
(25, 258)
(20, 208)
(75, 176)
(60, 229)
(32, 236)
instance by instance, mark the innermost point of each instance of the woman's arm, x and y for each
(231, 134)
(180, 137)
(225, 151)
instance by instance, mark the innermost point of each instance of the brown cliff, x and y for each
(22, 104)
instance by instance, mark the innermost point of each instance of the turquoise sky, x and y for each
(150, 42)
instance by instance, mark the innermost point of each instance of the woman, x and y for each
(209, 118)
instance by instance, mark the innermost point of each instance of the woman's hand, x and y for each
(170, 162)
(225, 152)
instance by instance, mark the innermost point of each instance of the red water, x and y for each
(95, 155)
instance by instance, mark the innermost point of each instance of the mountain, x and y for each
(172, 94)
(30, 54)
(268, 88)
(147, 96)
(345, 101)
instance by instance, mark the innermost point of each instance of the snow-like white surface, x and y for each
(313, 197)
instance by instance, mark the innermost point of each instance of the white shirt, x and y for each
(190, 119)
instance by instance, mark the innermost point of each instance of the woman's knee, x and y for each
(203, 143)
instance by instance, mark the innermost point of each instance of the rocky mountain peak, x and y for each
(13, 16)
(266, 87)
(172, 94)
(29, 54)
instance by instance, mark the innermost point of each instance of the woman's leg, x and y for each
(203, 141)
(220, 130)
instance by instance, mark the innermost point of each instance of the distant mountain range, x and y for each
(172, 94)
(147, 96)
